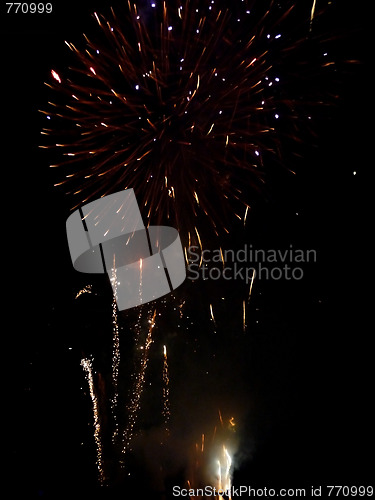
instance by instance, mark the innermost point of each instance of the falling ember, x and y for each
(312, 11)
(251, 284)
(87, 366)
(222, 257)
(232, 423)
(245, 216)
(55, 75)
(180, 307)
(212, 314)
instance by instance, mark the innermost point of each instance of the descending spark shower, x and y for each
(87, 366)
(191, 104)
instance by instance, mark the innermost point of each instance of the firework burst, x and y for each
(183, 102)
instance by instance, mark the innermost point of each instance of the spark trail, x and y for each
(212, 462)
(138, 386)
(87, 367)
(166, 408)
(115, 356)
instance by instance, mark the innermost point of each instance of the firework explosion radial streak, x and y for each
(183, 102)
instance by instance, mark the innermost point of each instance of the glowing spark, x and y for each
(212, 126)
(85, 289)
(251, 284)
(313, 10)
(212, 314)
(55, 75)
(245, 216)
(186, 255)
(181, 308)
(232, 423)
(222, 257)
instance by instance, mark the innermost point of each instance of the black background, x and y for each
(311, 376)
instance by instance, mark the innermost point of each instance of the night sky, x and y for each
(299, 380)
